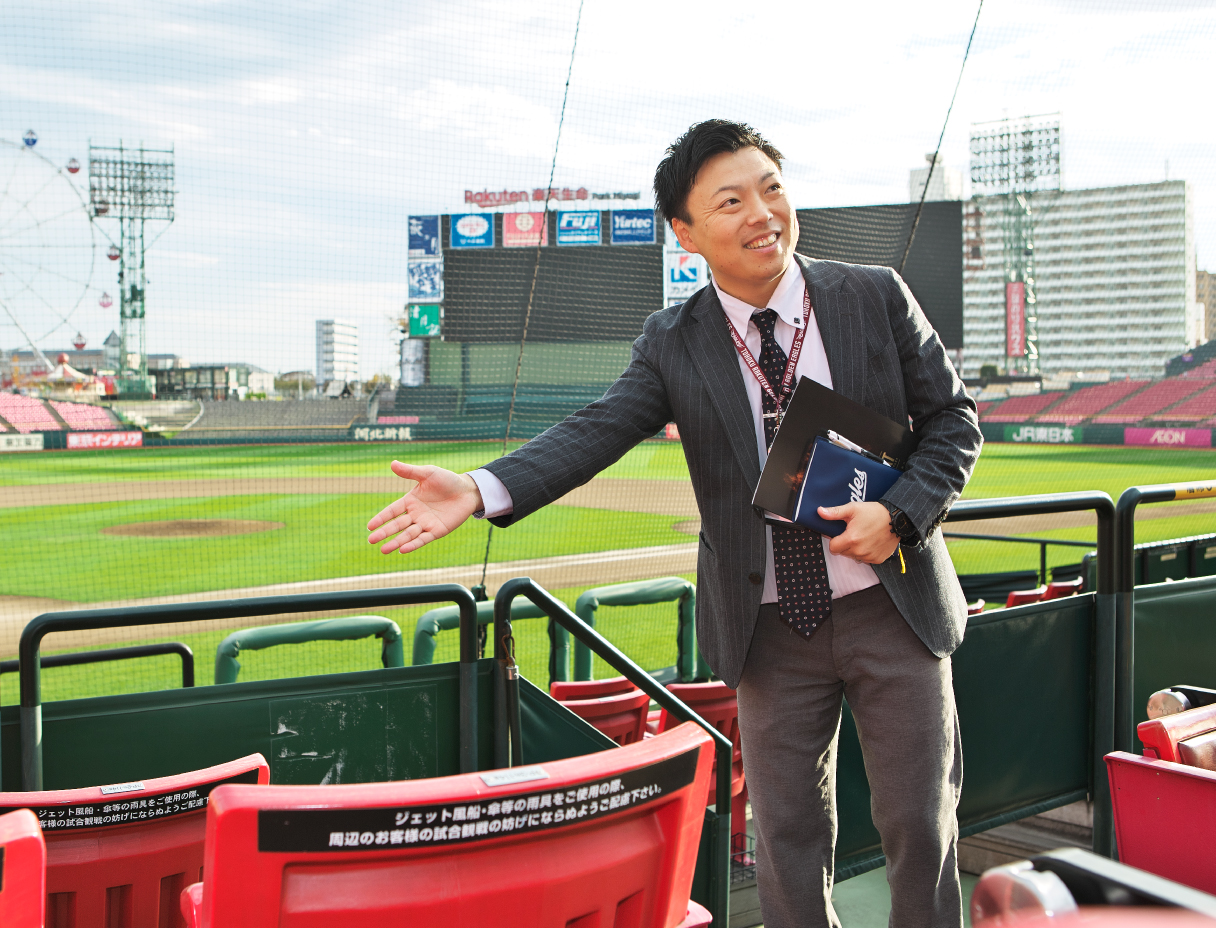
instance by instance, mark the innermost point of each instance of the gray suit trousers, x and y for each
(902, 699)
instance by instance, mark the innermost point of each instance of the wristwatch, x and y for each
(902, 526)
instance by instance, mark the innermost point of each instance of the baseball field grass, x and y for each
(65, 551)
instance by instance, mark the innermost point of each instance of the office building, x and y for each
(337, 351)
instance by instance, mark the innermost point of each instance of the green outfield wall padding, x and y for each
(349, 628)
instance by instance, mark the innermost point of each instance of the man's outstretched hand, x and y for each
(439, 504)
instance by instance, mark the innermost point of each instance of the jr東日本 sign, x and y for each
(472, 230)
(633, 227)
(424, 236)
(1044, 434)
(522, 230)
(84, 441)
(1015, 319)
(580, 227)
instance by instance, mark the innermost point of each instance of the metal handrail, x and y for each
(507, 707)
(1106, 685)
(117, 654)
(1125, 584)
(1022, 539)
(87, 620)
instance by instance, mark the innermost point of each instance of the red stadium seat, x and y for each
(1165, 817)
(1061, 588)
(1022, 597)
(976, 608)
(606, 839)
(1021, 408)
(1089, 401)
(622, 716)
(589, 689)
(22, 871)
(1184, 738)
(120, 855)
(718, 704)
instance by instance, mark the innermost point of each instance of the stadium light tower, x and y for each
(134, 186)
(1012, 159)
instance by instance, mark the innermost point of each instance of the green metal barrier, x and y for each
(1175, 638)
(690, 665)
(105, 655)
(431, 623)
(349, 628)
(31, 712)
(711, 884)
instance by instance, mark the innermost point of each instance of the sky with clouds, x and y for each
(305, 132)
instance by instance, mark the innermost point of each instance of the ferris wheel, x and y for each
(47, 248)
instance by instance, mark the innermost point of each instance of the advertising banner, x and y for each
(633, 227)
(1178, 438)
(424, 320)
(380, 433)
(425, 276)
(523, 230)
(10, 442)
(1045, 434)
(472, 230)
(686, 274)
(86, 441)
(1015, 320)
(578, 227)
(424, 236)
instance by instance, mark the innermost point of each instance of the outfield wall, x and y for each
(1153, 437)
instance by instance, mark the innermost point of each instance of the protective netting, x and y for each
(397, 171)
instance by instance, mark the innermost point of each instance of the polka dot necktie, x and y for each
(803, 595)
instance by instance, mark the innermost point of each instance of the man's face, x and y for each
(742, 223)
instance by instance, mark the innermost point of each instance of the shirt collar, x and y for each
(786, 301)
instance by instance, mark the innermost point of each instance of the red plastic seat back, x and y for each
(1022, 597)
(1058, 589)
(715, 702)
(622, 716)
(120, 855)
(1184, 738)
(22, 870)
(976, 608)
(606, 839)
(1165, 817)
(589, 689)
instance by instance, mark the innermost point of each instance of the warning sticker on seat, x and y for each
(330, 830)
(130, 808)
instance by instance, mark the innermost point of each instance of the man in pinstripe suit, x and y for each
(891, 629)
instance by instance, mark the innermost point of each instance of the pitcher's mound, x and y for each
(192, 528)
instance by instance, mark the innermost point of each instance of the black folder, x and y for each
(813, 410)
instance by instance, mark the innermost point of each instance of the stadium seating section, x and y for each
(1150, 402)
(121, 855)
(1021, 408)
(1089, 401)
(608, 838)
(298, 419)
(82, 416)
(27, 414)
(30, 414)
(1198, 406)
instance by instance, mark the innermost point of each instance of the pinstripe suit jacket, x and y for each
(882, 353)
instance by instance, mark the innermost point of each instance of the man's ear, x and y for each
(680, 228)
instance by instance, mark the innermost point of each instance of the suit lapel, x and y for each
(841, 326)
(713, 355)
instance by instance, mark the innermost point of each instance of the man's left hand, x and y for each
(868, 537)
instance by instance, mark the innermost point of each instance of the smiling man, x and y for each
(793, 622)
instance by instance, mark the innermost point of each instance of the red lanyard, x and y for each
(791, 364)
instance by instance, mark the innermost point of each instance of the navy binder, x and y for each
(835, 476)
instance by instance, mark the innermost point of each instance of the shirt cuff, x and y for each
(494, 496)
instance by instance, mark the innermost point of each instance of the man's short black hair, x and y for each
(677, 172)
